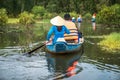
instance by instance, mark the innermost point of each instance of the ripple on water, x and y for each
(19, 67)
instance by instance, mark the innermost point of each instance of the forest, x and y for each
(105, 9)
(15, 7)
(46, 9)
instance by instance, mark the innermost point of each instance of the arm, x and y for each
(50, 33)
(80, 34)
(67, 30)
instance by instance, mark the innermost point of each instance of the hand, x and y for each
(81, 40)
(46, 42)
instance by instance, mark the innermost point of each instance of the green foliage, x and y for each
(15, 7)
(51, 7)
(48, 16)
(111, 43)
(3, 17)
(74, 14)
(89, 6)
(26, 18)
(87, 16)
(38, 11)
(109, 15)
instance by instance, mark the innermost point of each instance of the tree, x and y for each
(109, 15)
(38, 11)
(3, 17)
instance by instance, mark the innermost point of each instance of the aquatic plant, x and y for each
(111, 43)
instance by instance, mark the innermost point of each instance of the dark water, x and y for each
(90, 63)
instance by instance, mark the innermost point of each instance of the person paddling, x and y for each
(58, 29)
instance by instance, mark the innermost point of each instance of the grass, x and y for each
(16, 20)
(13, 20)
(43, 21)
(111, 43)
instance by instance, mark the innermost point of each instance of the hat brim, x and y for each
(58, 21)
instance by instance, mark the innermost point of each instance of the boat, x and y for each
(62, 46)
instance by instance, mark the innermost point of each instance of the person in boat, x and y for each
(75, 34)
(58, 29)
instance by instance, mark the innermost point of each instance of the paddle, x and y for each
(30, 52)
(36, 49)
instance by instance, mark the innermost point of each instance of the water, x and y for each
(93, 64)
(40, 66)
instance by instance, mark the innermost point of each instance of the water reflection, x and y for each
(63, 66)
(22, 37)
(95, 53)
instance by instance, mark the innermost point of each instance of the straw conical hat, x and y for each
(58, 21)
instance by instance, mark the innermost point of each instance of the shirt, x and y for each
(57, 34)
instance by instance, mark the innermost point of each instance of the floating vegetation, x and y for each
(111, 43)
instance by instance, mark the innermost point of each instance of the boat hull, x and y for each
(63, 47)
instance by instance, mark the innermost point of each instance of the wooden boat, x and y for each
(67, 44)
(61, 46)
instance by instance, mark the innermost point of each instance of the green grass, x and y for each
(16, 20)
(43, 21)
(111, 43)
(13, 20)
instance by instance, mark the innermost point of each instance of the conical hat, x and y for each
(58, 21)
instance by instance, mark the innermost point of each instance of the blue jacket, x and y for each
(57, 34)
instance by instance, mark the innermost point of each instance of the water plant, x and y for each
(111, 43)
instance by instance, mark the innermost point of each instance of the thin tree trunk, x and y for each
(22, 5)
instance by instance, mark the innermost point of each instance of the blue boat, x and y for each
(62, 46)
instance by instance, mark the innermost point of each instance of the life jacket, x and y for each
(73, 31)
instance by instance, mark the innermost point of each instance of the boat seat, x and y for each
(61, 40)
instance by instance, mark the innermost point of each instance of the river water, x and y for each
(90, 63)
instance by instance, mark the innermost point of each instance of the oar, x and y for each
(30, 52)
(36, 49)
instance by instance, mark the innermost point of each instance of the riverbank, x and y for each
(16, 21)
(13, 20)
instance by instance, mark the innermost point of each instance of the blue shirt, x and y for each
(73, 20)
(79, 20)
(57, 34)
